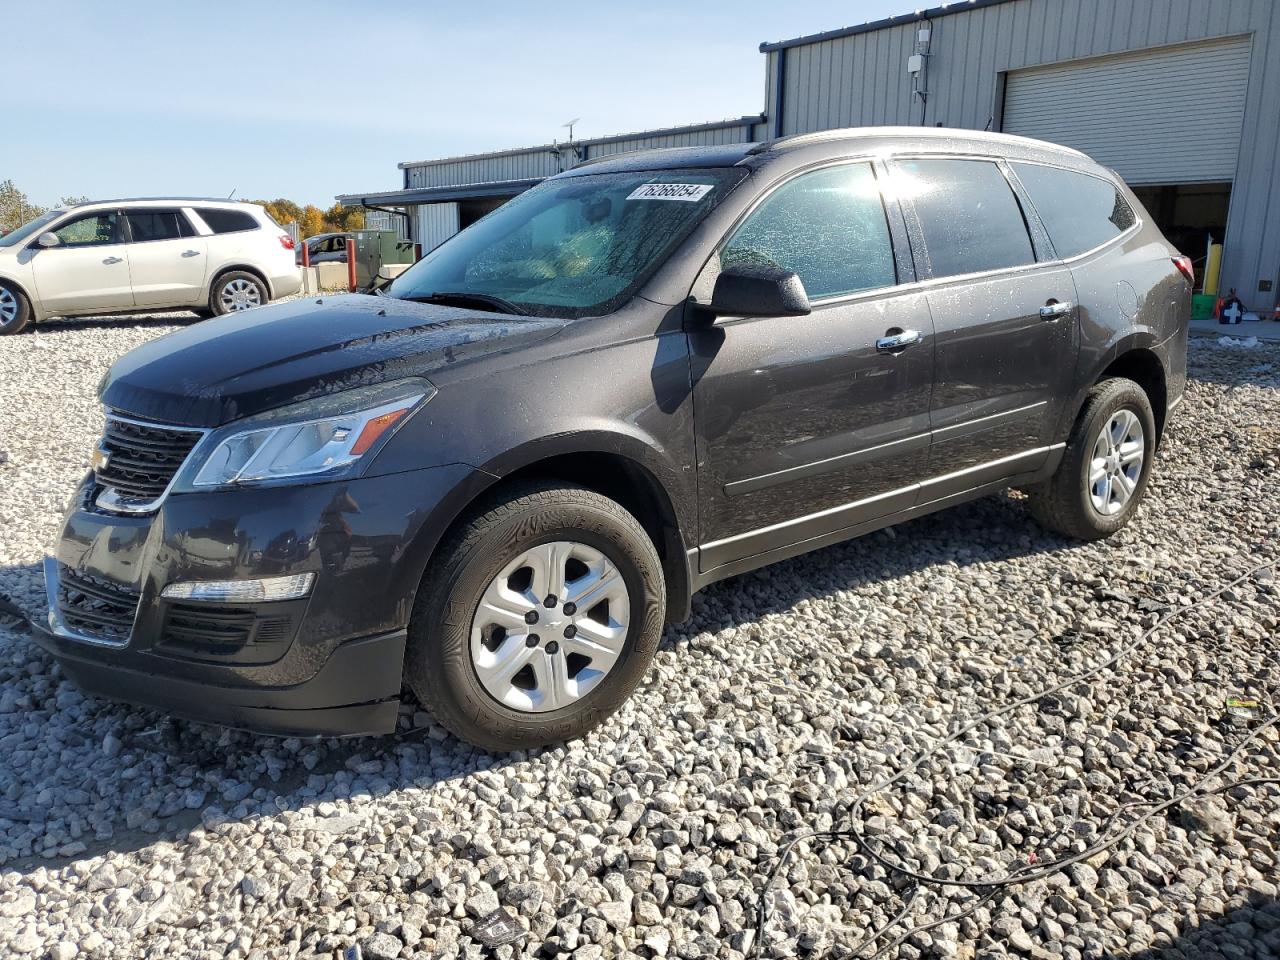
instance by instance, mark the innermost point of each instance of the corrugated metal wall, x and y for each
(437, 222)
(862, 79)
(544, 161)
(1118, 109)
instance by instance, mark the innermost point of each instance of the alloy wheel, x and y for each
(8, 307)
(550, 626)
(1116, 465)
(240, 294)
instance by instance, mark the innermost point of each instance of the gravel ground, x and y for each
(127, 834)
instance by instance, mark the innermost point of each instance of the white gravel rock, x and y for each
(125, 833)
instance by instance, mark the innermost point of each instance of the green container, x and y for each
(1202, 306)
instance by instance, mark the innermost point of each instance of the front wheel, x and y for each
(15, 311)
(236, 291)
(538, 620)
(1105, 468)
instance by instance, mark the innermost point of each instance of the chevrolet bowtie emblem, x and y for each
(99, 459)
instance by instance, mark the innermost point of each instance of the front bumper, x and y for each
(355, 692)
(329, 664)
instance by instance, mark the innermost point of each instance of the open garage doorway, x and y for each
(1189, 214)
(471, 210)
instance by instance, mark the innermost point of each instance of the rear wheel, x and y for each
(236, 291)
(1105, 468)
(15, 311)
(538, 620)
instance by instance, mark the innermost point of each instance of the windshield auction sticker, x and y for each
(671, 191)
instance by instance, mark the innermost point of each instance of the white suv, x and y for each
(132, 256)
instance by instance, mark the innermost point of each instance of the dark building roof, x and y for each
(931, 14)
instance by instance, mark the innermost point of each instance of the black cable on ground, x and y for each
(1023, 873)
(10, 610)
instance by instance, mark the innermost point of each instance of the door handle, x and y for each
(191, 253)
(1055, 309)
(110, 260)
(894, 342)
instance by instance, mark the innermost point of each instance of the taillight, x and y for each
(1188, 271)
(286, 241)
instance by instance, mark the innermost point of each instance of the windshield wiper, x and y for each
(464, 296)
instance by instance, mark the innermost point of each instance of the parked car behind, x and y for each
(644, 375)
(135, 256)
(325, 248)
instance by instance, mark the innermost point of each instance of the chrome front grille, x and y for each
(136, 462)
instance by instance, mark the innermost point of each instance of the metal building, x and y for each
(1181, 97)
(440, 197)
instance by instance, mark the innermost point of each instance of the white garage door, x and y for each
(1164, 115)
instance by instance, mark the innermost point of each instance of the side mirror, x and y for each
(758, 290)
(47, 240)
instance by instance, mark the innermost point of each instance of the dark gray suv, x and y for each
(494, 484)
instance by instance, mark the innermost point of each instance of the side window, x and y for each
(1079, 211)
(147, 225)
(828, 227)
(90, 230)
(227, 221)
(968, 213)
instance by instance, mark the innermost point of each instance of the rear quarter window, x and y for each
(970, 219)
(1080, 211)
(227, 221)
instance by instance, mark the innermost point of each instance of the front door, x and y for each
(89, 268)
(167, 261)
(805, 426)
(1004, 317)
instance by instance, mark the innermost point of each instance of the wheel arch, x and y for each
(623, 476)
(1136, 357)
(222, 271)
(1144, 367)
(33, 304)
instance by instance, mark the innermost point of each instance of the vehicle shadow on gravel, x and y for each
(137, 321)
(81, 777)
(988, 530)
(1248, 931)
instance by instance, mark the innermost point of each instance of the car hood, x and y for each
(235, 366)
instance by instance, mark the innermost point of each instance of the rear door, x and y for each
(1004, 316)
(89, 268)
(167, 260)
(804, 426)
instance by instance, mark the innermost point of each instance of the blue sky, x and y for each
(307, 100)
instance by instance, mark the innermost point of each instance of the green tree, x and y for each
(312, 221)
(282, 211)
(344, 219)
(15, 208)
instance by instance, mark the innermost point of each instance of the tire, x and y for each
(1073, 502)
(237, 290)
(447, 629)
(15, 310)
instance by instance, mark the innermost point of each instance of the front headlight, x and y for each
(320, 439)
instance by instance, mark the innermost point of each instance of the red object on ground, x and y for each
(351, 266)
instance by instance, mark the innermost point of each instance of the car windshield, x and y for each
(572, 247)
(30, 228)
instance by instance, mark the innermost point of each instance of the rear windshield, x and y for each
(572, 247)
